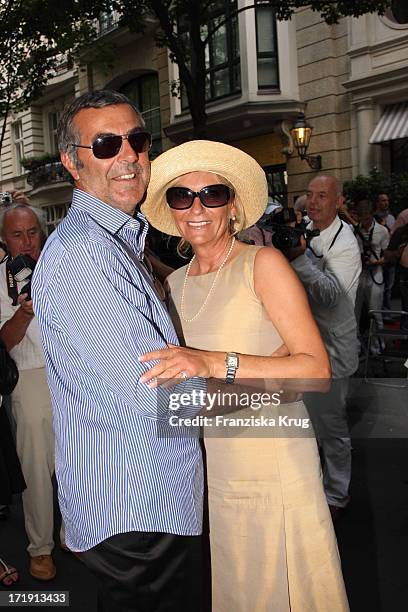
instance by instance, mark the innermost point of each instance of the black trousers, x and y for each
(148, 572)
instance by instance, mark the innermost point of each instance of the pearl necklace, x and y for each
(204, 304)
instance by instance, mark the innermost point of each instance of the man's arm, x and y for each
(99, 321)
(14, 329)
(341, 270)
(396, 246)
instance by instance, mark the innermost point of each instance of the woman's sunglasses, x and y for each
(109, 145)
(212, 196)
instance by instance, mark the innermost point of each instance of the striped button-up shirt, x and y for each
(98, 312)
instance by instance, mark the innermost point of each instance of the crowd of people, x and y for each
(102, 355)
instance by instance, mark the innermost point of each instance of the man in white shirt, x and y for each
(22, 232)
(329, 269)
(373, 239)
(383, 215)
(382, 210)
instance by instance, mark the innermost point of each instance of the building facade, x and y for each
(378, 86)
(348, 80)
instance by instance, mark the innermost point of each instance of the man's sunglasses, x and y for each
(109, 145)
(212, 196)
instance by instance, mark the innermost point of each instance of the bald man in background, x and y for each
(329, 268)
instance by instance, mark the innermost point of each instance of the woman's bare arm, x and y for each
(302, 354)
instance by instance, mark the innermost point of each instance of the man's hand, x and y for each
(292, 254)
(14, 330)
(26, 305)
(176, 361)
(20, 197)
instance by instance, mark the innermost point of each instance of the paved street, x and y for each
(372, 535)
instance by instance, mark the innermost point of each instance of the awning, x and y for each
(393, 124)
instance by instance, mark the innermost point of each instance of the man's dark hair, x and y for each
(364, 207)
(68, 134)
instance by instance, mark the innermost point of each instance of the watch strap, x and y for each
(232, 363)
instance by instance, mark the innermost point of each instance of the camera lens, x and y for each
(285, 238)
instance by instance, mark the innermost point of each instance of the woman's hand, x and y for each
(176, 362)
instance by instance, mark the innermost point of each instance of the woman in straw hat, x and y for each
(273, 546)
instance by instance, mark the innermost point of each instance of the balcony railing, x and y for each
(45, 174)
(107, 22)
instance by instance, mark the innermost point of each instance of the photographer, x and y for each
(22, 231)
(373, 240)
(397, 253)
(329, 268)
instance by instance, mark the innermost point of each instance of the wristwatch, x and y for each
(232, 363)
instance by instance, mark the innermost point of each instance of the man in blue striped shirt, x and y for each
(131, 498)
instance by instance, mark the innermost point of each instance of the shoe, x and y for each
(42, 567)
(8, 575)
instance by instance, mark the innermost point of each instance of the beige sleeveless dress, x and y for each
(273, 547)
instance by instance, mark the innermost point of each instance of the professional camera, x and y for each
(367, 253)
(5, 198)
(19, 270)
(287, 233)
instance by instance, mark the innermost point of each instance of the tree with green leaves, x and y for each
(367, 187)
(188, 51)
(36, 36)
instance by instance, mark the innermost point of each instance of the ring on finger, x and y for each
(183, 375)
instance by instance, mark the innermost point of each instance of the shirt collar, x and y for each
(329, 232)
(112, 219)
(367, 231)
(382, 213)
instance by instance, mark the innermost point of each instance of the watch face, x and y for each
(232, 360)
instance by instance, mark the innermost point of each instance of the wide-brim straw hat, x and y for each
(240, 169)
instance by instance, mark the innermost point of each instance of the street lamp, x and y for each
(301, 133)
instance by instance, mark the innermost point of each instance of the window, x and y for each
(276, 177)
(107, 21)
(17, 129)
(399, 155)
(266, 48)
(222, 60)
(54, 215)
(52, 130)
(144, 92)
(398, 12)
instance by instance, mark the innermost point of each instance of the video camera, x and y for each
(5, 198)
(19, 270)
(287, 236)
(368, 252)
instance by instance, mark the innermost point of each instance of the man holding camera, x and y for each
(383, 215)
(373, 239)
(22, 232)
(329, 267)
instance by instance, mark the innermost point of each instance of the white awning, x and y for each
(393, 124)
